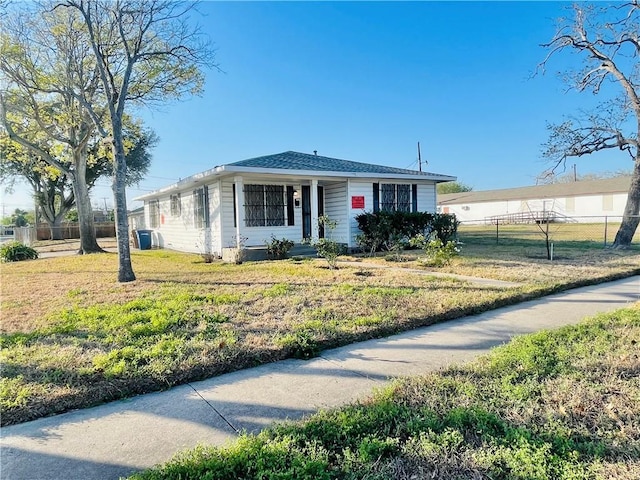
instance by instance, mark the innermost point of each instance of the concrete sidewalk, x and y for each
(118, 438)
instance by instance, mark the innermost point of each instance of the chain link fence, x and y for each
(597, 230)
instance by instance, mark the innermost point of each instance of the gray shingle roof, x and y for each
(304, 161)
(291, 164)
(554, 190)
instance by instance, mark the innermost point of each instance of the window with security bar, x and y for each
(201, 207)
(395, 197)
(403, 198)
(154, 213)
(264, 205)
(176, 205)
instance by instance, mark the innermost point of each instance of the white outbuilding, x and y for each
(586, 201)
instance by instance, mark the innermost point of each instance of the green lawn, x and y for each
(554, 405)
(586, 235)
(73, 337)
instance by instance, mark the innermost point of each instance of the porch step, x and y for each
(254, 254)
(301, 250)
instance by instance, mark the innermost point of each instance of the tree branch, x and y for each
(27, 144)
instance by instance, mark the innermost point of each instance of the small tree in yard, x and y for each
(607, 38)
(328, 248)
(437, 253)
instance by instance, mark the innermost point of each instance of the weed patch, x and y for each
(277, 290)
(300, 344)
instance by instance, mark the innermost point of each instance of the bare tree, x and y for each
(147, 51)
(607, 38)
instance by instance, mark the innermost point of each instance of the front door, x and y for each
(306, 211)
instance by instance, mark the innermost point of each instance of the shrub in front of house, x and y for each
(382, 229)
(16, 251)
(445, 226)
(437, 254)
(278, 248)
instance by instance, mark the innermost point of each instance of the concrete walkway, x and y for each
(118, 438)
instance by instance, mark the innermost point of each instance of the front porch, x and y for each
(285, 208)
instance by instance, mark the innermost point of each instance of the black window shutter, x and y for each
(376, 197)
(290, 219)
(205, 199)
(414, 198)
(233, 189)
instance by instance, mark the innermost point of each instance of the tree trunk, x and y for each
(631, 218)
(88, 243)
(55, 227)
(125, 270)
(53, 221)
(46, 201)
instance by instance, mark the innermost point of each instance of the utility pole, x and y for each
(419, 158)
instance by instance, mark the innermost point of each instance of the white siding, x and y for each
(581, 208)
(335, 207)
(426, 200)
(258, 236)
(179, 232)
(227, 219)
(359, 189)
(427, 197)
(137, 221)
(215, 221)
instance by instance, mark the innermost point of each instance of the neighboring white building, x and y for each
(577, 200)
(136, 219)
(281, 195)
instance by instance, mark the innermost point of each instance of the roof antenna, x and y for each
(315, 152)
(419, 159)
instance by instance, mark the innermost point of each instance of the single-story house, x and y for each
(584, 201)
(244, 203)
(136, 219)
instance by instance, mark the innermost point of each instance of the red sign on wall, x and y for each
(357, 202)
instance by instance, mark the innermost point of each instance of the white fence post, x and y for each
(25, 235)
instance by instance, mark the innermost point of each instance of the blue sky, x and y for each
(366, 81)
